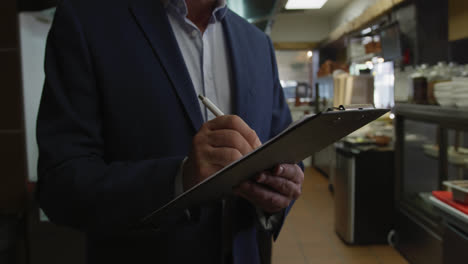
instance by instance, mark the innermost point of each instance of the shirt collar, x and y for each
(179, 7)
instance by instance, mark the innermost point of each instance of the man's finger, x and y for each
(291, 172)
(235, 123)
(222, 156)
(282, 185)
(229, 138)
(262, 197)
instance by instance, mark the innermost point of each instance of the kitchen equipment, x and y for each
(363, 189)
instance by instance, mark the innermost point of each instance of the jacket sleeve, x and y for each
(77, 186)
(281, 119)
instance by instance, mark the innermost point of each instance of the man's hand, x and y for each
(226, 139)
(219, 142)
(273, 191)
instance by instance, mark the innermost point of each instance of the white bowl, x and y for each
(461, 104)
(443, 86)
(445, 98)
(444, 94)
(460, 79)
(460, 85)
(461, 90)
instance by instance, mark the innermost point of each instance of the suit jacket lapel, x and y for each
(152, 19)
(240, 66)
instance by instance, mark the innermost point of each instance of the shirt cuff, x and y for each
(179, 185)
(269, 222)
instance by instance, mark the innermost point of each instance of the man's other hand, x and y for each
(273, 191)
(218, 143)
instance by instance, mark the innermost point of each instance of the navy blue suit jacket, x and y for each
(117, 117)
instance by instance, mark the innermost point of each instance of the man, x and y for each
(121, 132)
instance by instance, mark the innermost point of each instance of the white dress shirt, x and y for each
(205, 54)
(208, 63)
(206, 58)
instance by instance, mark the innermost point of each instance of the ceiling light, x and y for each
(310, 53)
(366, 31)
(305, 4)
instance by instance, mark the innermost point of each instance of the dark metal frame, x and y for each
(430, 232)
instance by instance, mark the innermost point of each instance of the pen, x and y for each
(212, 107)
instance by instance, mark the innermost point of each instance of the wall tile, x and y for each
(12, 171)
(11, 102)
(8, 25)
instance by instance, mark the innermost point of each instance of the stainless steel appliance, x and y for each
(363, 192)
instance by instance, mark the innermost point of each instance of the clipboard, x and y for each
(297, 142)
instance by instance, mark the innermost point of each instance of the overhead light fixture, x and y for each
(309, 54)
(366, 31)
(305, 4)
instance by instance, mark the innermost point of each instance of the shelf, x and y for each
(449, 117)
(375, 10)
(419, 202)
(449, 210)
(364, 58)
(454, 159)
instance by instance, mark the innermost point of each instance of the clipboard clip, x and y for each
(351, 107)
(334, 108)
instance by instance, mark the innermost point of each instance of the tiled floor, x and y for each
(308, 236)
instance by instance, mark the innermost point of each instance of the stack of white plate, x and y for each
(444, 93)
(460, 92)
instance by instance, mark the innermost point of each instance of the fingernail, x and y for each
(258, 143)
(260, 178)
(280, 170)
